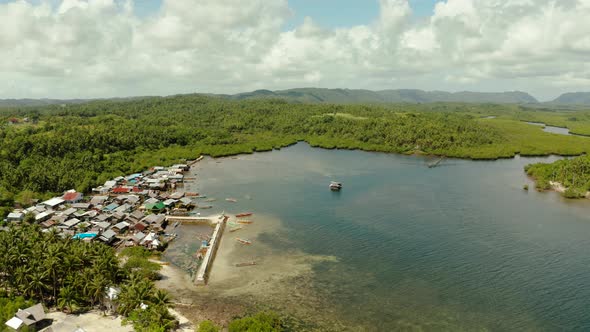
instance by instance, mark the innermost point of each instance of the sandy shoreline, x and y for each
(278, 281)
(560, 188)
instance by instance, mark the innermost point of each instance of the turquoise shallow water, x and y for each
(457, 247)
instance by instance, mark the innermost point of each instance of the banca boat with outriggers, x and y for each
(335, 186)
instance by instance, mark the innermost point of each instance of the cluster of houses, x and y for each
(32, 319)
(14, 121)
(127, 211)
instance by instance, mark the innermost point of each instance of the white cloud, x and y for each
(99, 48)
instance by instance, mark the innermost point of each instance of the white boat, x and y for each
(335, 186)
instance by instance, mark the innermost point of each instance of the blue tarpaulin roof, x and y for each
(84, 236)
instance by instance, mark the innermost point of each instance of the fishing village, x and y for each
(144, 209)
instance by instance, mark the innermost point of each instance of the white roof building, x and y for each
(43, 216)
(110, 184)
(54, 202)
(15, 216)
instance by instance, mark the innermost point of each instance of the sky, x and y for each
(116, 48)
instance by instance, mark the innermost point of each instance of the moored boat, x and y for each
(245, 222)
(246, 264)
(245, 214)
(335, 186)
(233, 229)
(243, 241)
(233, 200)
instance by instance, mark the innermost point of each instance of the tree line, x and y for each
(573, 174)
(79, 146)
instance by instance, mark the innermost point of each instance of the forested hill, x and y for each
(348, 96)
(336, 96)
(54, 148)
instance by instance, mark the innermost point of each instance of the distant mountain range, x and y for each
(45, 101)
(347, 96)
(37, 102)
(352, 96)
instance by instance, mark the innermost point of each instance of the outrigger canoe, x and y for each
(246, 264)
(243, 241)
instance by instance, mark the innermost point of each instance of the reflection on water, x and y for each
(454, 248)
(552, 129)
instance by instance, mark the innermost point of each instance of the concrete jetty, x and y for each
(192, 162)
(191, 220)
(205, 268)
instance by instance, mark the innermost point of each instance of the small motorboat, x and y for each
(246, 214)
(335, 186)
(233, 200)
(233, 229)
(245, 222)
(252, 263)
(243, 241)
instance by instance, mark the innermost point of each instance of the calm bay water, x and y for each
(457, 247)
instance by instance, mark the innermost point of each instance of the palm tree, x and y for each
(133, 293)
(161, 297)
(21, 277)
(53, 265)
(37, 284)
(52, 236)
(67, 298)
(162, 316)
(96, 289)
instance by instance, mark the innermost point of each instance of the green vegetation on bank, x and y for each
(264, 321)
(573, 174)
(208, 326)
(260, 322)
(74, 276)
(79, 146)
